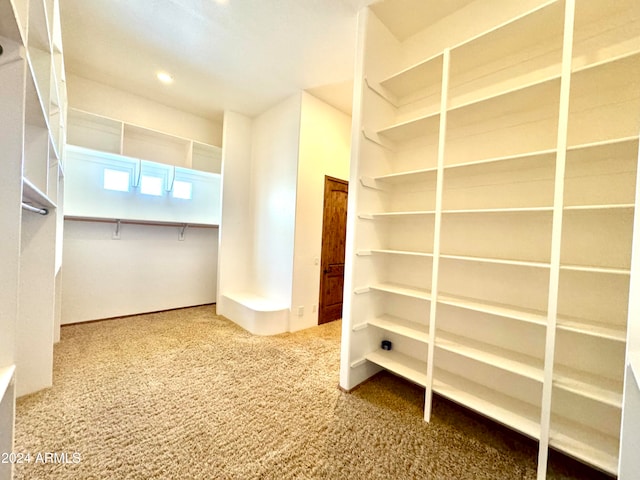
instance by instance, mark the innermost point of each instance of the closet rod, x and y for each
(41, 211)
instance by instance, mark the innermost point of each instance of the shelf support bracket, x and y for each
(370, 182)
(378, 90)
(375, 139)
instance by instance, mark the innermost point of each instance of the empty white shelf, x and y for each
(507, 311)
(506, 410)
(597, 388)
(409, 176)
(595, 329)
(410, 129)
(407, 291)
(400, 364)
(585, 444)
(501, 358)
(501, 261)
(402, 327)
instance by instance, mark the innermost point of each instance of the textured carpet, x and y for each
(189, 395)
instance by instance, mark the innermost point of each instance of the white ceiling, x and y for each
(241, 55)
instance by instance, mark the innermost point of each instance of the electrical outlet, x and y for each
(300, 311)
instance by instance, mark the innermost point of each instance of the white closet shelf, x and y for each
(408, 367)
(501, 261)
(596, 269)
(382, 215)
(6, 377)
(411, 176)
(502, 358)
(506, 410)
(394, 252)
(506, 311)
(629, 55)
(501, 210)
(403, 290)
(33, 195)
(513, 35)
(615, 333)
(611, 206)
(600, 389)
(589, 149)
(414, 78)
(504, 103)
(401, 326)
(548, 154)
(585, 444)
(410, 129)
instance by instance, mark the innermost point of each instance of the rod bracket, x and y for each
(116, 233)
(182, 232)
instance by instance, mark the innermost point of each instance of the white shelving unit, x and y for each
(33, 116)
(109, 135)
(492, 218)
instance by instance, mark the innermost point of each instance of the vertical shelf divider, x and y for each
(556, 239)
(442, 133)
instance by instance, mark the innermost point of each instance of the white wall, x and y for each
(325, 140)
(273, 198)
(148, 269)
(275, 164)
(236, 225)
(95, 97)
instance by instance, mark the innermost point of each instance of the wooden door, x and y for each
(334, 231)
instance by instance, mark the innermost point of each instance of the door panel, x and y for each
(334, 231)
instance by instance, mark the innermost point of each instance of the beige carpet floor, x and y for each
(189, 395)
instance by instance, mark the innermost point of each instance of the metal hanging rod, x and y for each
(30, 208)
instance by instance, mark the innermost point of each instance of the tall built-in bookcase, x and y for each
(33, 117)
(494, 170)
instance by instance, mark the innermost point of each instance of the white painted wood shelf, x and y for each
(402, 290)
(496, 179)
(502, 310)
(400, 364)
(502, 408)
(100, 133)
(502, 358)
(401, 326)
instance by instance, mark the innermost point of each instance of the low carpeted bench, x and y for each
(257, 314)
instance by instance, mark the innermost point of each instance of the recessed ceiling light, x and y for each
(165, 78)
